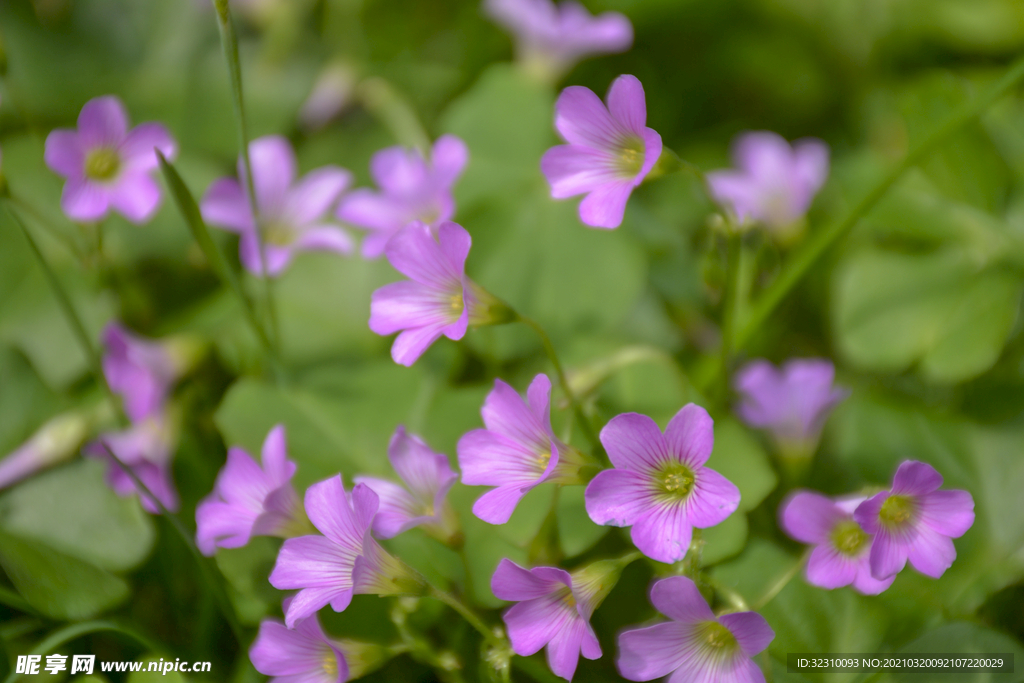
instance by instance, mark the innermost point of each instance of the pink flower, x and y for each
(774, 183)
(695, 644)
(106, 165)
(249, 500)
(293, 216)
(412, 189)
(915, 521)
(427, 477)
(300, 655)
(146, 448)
(659, 485)
(841, 546)
(140, 370)
(554, 38)
(610, 149)
(517, 450)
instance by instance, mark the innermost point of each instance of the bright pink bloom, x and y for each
(106, 165)
(249, 500)
(915, 521)
(140, 370)
(412, 189)
(841, 547)
(774, 183)
(611, 150)
(553, 610)
(659, 485)
(517, 450)
(300, 655)
(696, 645)
(293, 216)
(557, 37)
(146, 448)
(427, 477)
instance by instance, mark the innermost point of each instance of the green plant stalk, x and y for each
(466, 613)
(820, 241)
(69, 633)
(194, 219)
(381, 99)
(15, 601)
(731, 294)
(781, 583)
(229, 41)
(67, 240)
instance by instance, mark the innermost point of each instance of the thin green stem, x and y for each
(549, 349)
(69, 633)
(820, 241)
(730, 295)
(467, 589)
(731, 595)
(67, 240)
(384, 102)
(468, 614)
(229, 41)
(781, 583)
(15, 601)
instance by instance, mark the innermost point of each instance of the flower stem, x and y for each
(229, 41)
(549, 349)
(731, 293)
(67, 240)
(384, 102)
(731, 595)
(15, 601)
(782, 582)
(468, 614)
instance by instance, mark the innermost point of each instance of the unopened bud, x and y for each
(57, 440)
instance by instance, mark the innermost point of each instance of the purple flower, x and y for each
(292, 215)
(141, 371)
(842, 547)
(915, 521)
(550, 39)
(610, 150)
(146, 448)
(300, 655)
(427, 476)
(775, 183)
(332, 93)
(437, 298)
(106, 165)
(413, 189)
(248, 500)
(696, 645)
(659, 485)
(321, 566)
(553, 610)
(792, 403)
(517, 450)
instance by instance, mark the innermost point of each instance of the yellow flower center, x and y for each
(631, 156)
(457, 302)
(896, 510)
(718, 637)
(675, 481)
(330, 664)
(541, 462)
(102, 163)
(848, 538)
(278, 234)
(568, 600)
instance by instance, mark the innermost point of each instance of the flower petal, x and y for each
(412, 343)
(497, 505)
(563, 652)
(135, 196)
(809, 517)
(325, 238)
(512, 582)
(225, 206)
(678, 598)
(273, 170)
(574, 169)
(663, 534)
(138, 149)
(102, 122)
(653, 652)
(712, 500)
(506, 413)
(315, 194)
(915, 478)
(63, 154)
(931, 553)
(888, 556)
(750, 630)
(84, 201)
(280, 651)
(448, 159)
(330, 512)
(582, 119)
(950, 513)
(864, 582)
(415, 253)
(627, 103)
(634, 442)
(605, 206)
(828, 568)
(618, 497)
(690, 435)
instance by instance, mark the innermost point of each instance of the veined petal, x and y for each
(512, 582)
(314, 562)
(712, 500)
(690, 435)
(398, 509)
(605, 206)
(533, 623)
(415, 253)
(408, 304)
(950, 513)
(135, 196)
(497, 505)
(915, 478)
(281, 651)
(678, 598)
(138, 150)
(225, 206)
(618, 497)
(563, 653)
(634, 442)
(653, 652)
(85, 201)
(750, 630)
(412, 343)
(490, 459)
(315, 194)
(309, 601)
(582, 119)
(423, 471)
(931, 553)
(627, 103)
(506, 413)
(888, 556)
(331, 513)
(664, 533)
(63, 154)
(864, 582)
(222, 524)
(575, 169)
(809, 517)
(103, 122)
(828, 568)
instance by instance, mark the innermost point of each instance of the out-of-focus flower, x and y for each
(331, 94)
(554, 609)
(427, 477)
(146, 447)
(610, 151)
(659, 485)
(54, 442)
(842, 548)
(774, 183)
(517, 450)
(696, 645)
(551, 39)
(142, 371)
(412, 189)
(915, 521)
(251, 501)
(293, 216)
(106, 165)
(437, 299)
(792, 403)
(303, 654)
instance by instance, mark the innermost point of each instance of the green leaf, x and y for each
(739, 458)
(246, 570)
(967, 638)
(724, 540)
(73, 510)
(576, 531)
(938, 310)
(155, 676)
(58, 585)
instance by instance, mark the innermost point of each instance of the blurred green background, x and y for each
(919, 307)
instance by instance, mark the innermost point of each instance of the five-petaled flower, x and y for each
(249, 500)
(412, 189)
(659, 485)
(106, 165)
(292, 215)
(696, 645)
(792, 402)
(914, 520)
(611, 150)
(841, 547)
(774, 183)
(551, 38)
(427, 477)
(517, 450)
